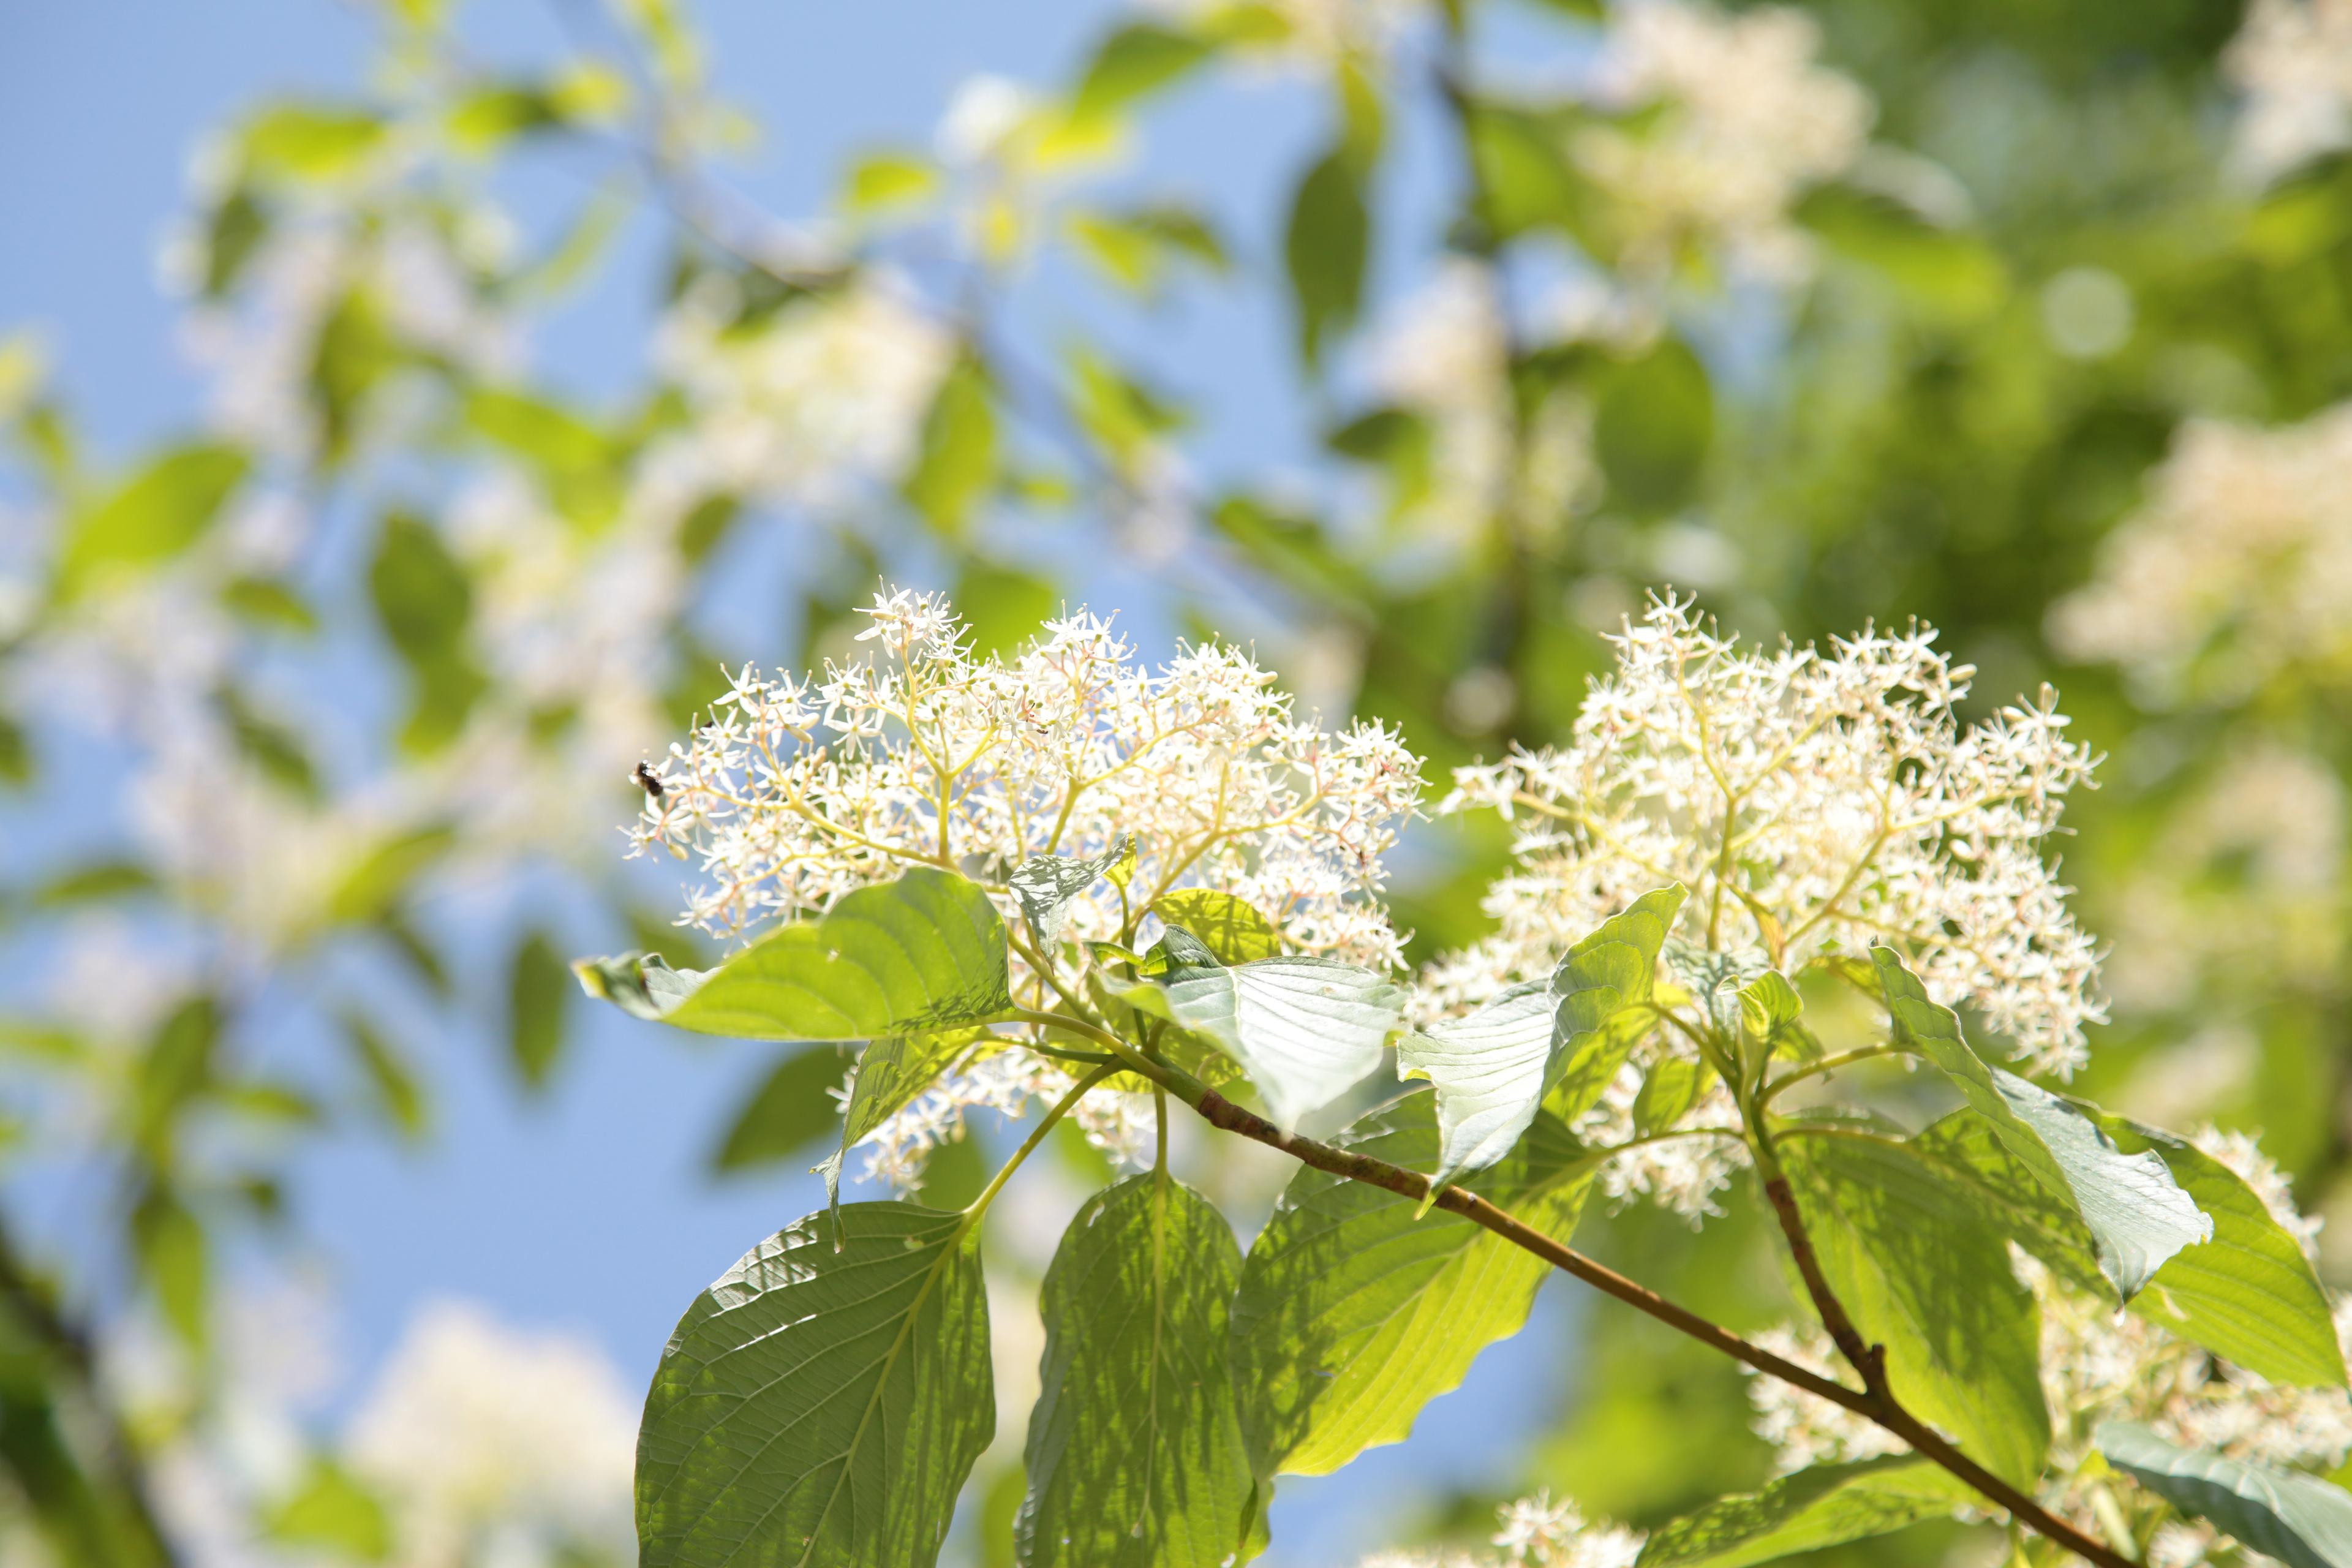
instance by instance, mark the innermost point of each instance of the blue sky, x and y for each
(589, 1209)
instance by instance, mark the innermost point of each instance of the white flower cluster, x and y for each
(1444, 355)
(2098, 1365)
(2241, 892)
(492, 1446)
(2236, 570)
(2292, 61)
(1814, 805)
(1748, 119)
(1536, 1532)
(796, 791)
(820, 392)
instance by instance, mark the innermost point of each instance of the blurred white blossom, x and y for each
(490, 1443)
(1747, 120)
(2292, 60)
(2236, 569)
(1536, 1532)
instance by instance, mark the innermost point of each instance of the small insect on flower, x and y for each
(646, 779)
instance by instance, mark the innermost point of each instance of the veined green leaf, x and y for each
(820, 1404)
(2302, 1520)
(1488, 1071)
(891, 1072)
(1352, 1313)
(1493, 1069)
(1824, 1506)
(2137, 1214)
(1134, 1455)
(1047, 885)
(2249, 1295)
(926, 951)
(1909, 1254)
(1597, 984)
(1231, 929)
(1305, 1030)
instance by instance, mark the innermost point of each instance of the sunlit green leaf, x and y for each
(2249, 1295)
(956, 464)
(157, 513)
(1133, 62)
(1824, 1506)
(1353, 1313)
(332, 1512)
(924, 952)
(1306, 1030)
(2135, 1211)
(1046, 885)
(392, 1080)
(822, 1402)
(1135, 1456)
(1231, 930)
(1910, 1257)
(1600, 985)
(1653, 426)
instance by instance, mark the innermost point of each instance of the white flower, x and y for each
(1748, 119)
(2236, 570)
(823, 393)
(477, 1432)
(1536, 1532)
(1814, 803)
(797, 791)
(2292, 61)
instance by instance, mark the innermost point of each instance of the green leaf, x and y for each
(1493, 1069)
(174, 1260)
(1824, 1506)
(156, 514)
(1325, 244)
(1352, 1313)
(1138, 250)
(536, 993)
(926, 951)
(1134, 1456)
(1601, 983)
(1667, 1094)
(1134, 62)
(2137, 1214)
(1909, 1255)
(1953, 274)
(822, 1402)
(311, 142)
(1046, 885)
(881, 182)
(2249, 1295)
(1306, 1030)
(1652, 426)
(331, 1511)
(2300, 1520)
(1231, 930)
(1001, 606)
(267, 602)
(392, 1081)
(789, 1111)
(957, 461)
(1488, 1072)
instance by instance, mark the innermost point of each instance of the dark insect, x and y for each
(647, 780)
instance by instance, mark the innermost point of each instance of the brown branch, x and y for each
(1878, 1406)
